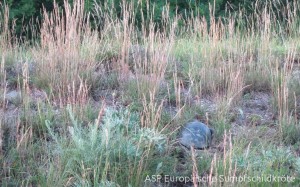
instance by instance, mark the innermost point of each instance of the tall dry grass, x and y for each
(67, 53)
(5, 45)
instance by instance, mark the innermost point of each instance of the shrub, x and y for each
(106, 152)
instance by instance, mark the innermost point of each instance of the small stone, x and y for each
(13, 96)
(196, 134)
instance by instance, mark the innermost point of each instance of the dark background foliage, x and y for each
(23, 11)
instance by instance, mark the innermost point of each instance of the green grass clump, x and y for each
(106, 151)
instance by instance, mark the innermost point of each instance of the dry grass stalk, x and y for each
(195, 172)
(63, 55)
(151, 112)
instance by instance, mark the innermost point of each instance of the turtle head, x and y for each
(212, 131)
(211, 137)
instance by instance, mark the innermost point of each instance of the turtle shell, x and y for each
(197, 135)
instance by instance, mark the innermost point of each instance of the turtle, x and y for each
(197, 135)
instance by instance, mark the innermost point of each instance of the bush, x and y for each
(106, 152)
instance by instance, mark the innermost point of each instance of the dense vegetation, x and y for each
(26, 11)
(92, 95)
